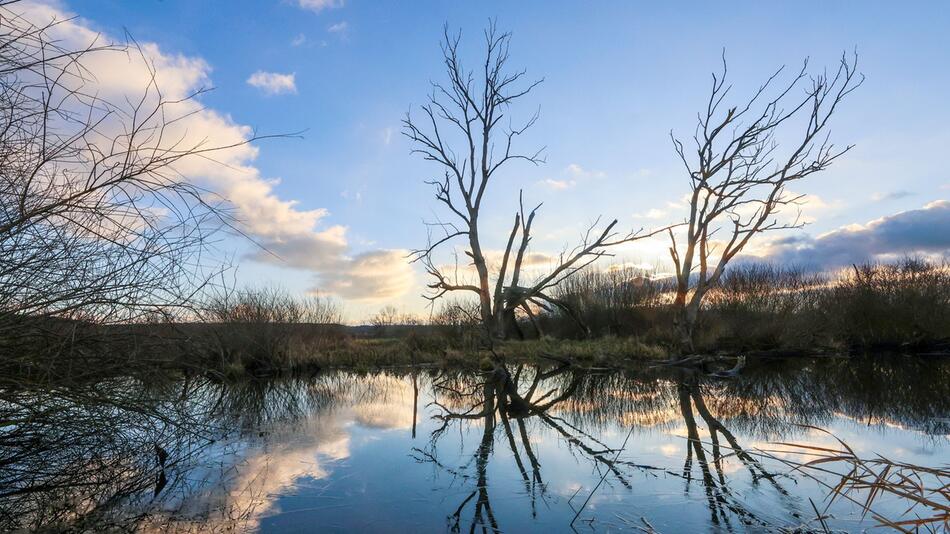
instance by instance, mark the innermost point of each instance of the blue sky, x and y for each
(618, 77)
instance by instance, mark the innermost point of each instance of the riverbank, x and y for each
(373, 353)
(228, 351)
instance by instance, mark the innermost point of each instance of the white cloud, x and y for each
(273, 83)
(375, 275)
(652, 213)
(296, 237)
(319, 5)
(570, 176)
(298, 40)
(577, 172)
(340, 28)
(559, 185)
(805, 210)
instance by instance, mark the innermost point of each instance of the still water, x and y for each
(436, 451)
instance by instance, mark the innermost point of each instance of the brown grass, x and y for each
(863, 481)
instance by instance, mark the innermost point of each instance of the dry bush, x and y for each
(904, 304)
(458, 325)
(268, 329)
(616, 301)
(887, 304)
(765, 305)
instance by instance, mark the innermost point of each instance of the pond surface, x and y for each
(434, 451)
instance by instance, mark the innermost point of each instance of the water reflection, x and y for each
(536, 405)
(515, 449)
(724, 506)
(499, 397)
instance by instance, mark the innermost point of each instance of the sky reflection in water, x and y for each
(353, 464)
(406, 451)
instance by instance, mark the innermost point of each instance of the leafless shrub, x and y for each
(620, 300)
(457, 321)
(905, 302)
(763, 304)
(97, 225)
(268, 329)
(899, 305)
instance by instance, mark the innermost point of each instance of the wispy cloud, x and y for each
(320, 5)
(576, 171)
(374, 275)
(569, 177)
(340, 28)
(652, 213)
(298, 40)
(273, 83)
(356, 196)
(558, 185)
(893, 195)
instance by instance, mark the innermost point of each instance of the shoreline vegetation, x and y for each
(622, 320)
(107, 265)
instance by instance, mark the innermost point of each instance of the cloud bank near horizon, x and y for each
(924, 231)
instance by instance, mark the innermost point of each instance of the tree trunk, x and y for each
(684, 321)
(510, 324)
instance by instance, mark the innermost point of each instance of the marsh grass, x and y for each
(925, 491)
(902, 305)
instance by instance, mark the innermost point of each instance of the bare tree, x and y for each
(739, 178)
(464, 129)
(97, 224)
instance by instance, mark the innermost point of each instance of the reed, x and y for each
(865, 481)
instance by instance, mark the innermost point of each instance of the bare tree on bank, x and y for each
(464, 128)
(97, 224)
(739, 178)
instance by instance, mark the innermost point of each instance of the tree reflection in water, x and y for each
(514, 400)
(577, 407)
(186, 453)
(720, 500)
(502, 397)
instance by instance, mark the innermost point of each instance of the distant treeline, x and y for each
(899, 305)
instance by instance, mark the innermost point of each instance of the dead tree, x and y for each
(739, 177)
(465, 130)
